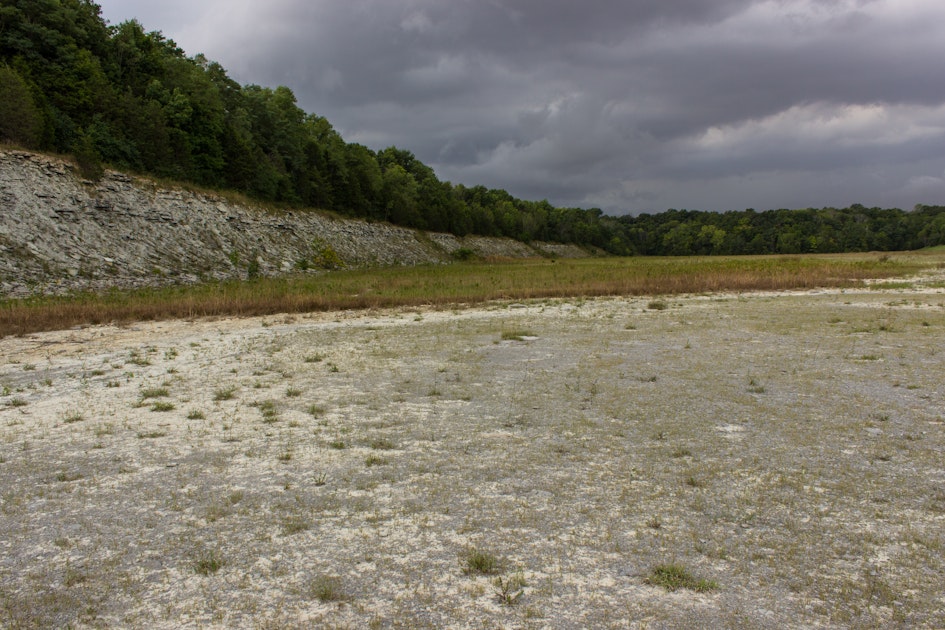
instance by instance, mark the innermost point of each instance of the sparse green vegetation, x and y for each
(459, 283)
(73, 416)
(480, 561)
(224, 393)
(154, 392)
(146, 435)
(135, 358)
(509, 589)
(104, 429)
(382, 444)
(294, 524)
(328, 588)
(754, 387)
(269, 410)
(694, 482)
(208, 561)
(675, 576)
(566, 455)
(516, 335)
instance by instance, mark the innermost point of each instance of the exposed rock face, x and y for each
(59, 233)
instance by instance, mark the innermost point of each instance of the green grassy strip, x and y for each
(460, 283)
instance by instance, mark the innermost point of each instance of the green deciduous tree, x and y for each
(21, 122)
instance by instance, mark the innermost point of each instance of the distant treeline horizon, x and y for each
(121, 96)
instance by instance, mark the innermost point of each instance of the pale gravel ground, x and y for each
(789, 447)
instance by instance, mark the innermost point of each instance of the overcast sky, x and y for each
(626, 105)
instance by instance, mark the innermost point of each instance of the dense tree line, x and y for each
(132, 99)
(825, 230)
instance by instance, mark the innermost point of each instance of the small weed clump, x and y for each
(104, 429)
(73, 416)
(374, 460)
(148, 435)
(134, 358)
(208, 562)
(516, 335)
(269, 411)
(382, 444)
(328, 588)
(224, 393)
(754, 387)
(509, 589)
(162, 406)
(463, 253)
(154, 392)
(477, 561)
(294, 525)
(675, 576)
(694, 482)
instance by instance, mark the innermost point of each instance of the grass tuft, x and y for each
(154, 392)
(224, 393)
(73, 416)
(328, 588)
(673, 577)
(516, 335)
(477, 561)
(208, 561)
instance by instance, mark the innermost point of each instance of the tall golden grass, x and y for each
(460, 283)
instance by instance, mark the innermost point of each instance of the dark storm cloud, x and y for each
(629, 106)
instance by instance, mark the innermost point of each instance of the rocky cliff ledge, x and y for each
(60, 233)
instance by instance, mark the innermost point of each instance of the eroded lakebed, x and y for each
(345, 469)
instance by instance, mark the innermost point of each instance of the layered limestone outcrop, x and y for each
(60, 233)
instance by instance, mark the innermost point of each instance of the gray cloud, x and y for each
(630, 106)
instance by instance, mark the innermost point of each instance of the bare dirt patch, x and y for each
(524, 465)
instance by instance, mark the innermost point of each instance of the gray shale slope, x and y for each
(61, 233)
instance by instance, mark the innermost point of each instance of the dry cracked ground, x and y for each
(538, 465)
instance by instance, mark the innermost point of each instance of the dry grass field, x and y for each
(762, 460)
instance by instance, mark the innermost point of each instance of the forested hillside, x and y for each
(132, 99)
